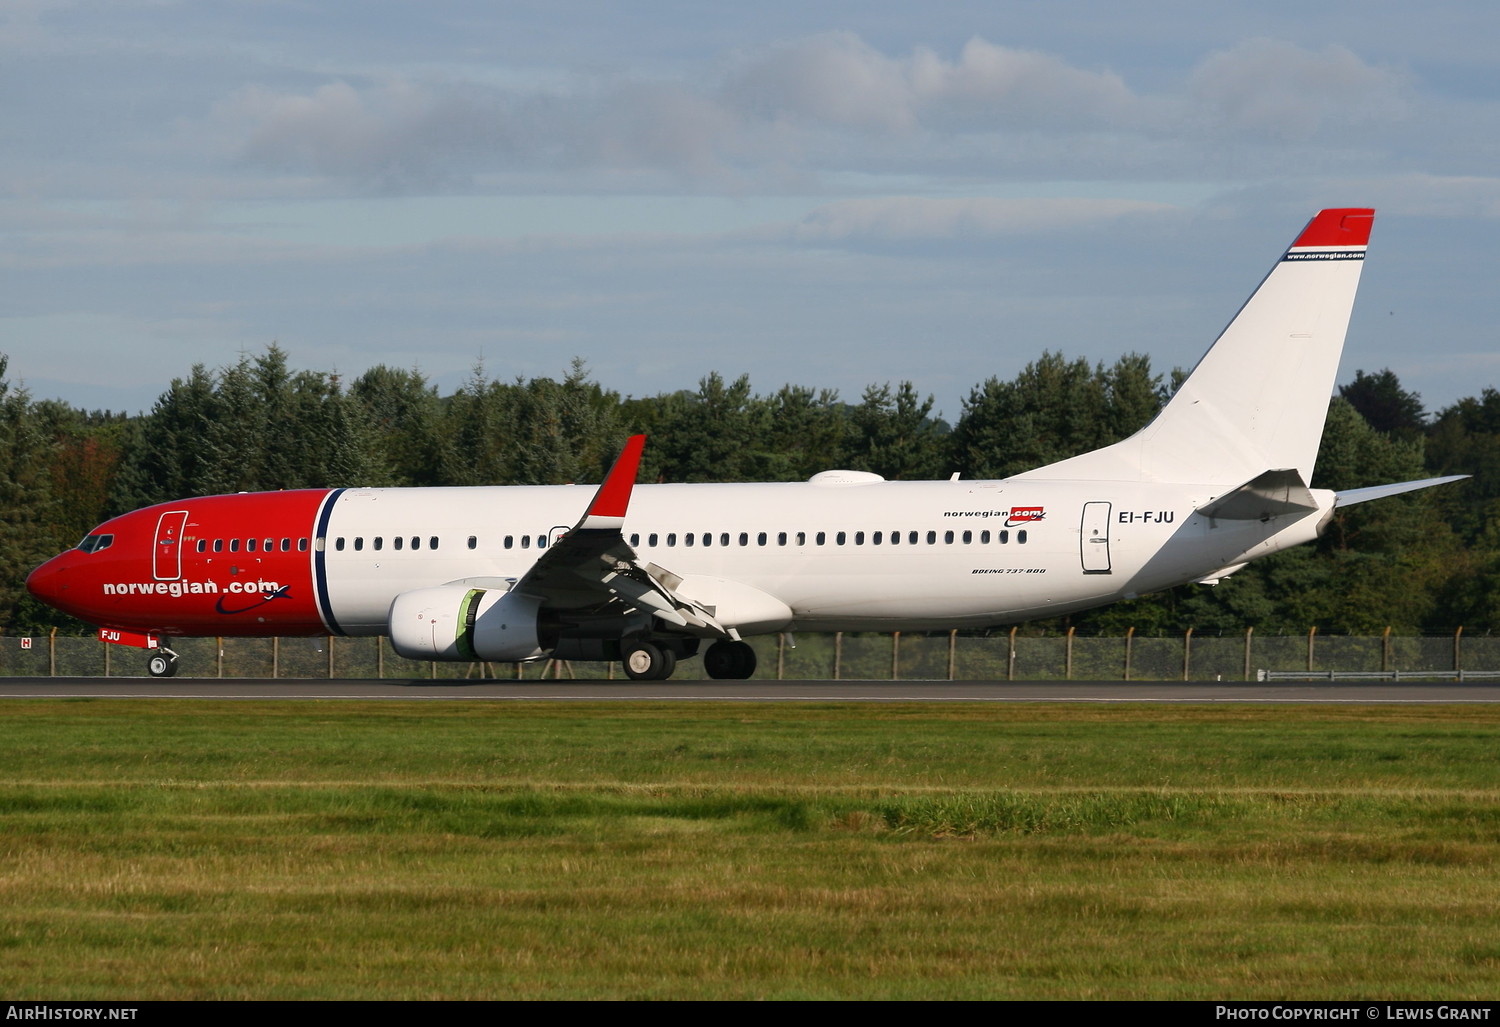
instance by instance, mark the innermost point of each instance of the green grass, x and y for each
(157, 849)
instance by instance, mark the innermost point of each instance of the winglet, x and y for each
(607, 511)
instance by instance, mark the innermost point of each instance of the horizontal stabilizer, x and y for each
(1267, 495)
(1351, 496)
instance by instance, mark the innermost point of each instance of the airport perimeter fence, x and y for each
(845, 656)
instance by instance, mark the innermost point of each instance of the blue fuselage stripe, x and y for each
(320, 562)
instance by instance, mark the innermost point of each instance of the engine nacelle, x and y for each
(455, 622)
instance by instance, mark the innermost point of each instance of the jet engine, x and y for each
(456, 622)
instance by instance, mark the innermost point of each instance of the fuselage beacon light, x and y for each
(649, 574)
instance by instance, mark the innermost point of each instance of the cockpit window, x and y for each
(94, 543)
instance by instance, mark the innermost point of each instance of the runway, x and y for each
(754, 691)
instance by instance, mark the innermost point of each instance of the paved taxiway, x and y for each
(756, 691)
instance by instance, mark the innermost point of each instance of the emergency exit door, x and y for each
(1094, 538)
(167, 565)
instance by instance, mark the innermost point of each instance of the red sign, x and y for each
(1024, 515)
(130, 638)
(25, 643)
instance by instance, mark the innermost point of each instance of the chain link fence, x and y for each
(902, 656)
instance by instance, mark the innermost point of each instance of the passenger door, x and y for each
(167, 563)
(1094, 538)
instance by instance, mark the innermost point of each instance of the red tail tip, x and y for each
(1339, 226)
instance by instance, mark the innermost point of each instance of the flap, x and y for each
(1269, 494)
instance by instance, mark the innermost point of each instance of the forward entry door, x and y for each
(167, 564)
(558, 532)
(1094, 538)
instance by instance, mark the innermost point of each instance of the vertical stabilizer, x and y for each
(1257, 399)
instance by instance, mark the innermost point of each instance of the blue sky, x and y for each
(830, 194)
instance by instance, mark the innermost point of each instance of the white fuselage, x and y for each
(855, 578)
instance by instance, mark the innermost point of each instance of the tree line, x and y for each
(1423, 563)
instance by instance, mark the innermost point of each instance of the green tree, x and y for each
(895, 435)
(1055, 408)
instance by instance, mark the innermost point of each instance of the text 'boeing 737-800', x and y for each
(647, 574)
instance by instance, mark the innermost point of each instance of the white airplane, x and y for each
(646, 574)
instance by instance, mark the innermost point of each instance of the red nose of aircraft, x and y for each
(50, 581)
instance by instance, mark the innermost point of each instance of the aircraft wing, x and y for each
(593, 566)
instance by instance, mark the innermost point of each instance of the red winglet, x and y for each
(1340, 226)
(613, 497)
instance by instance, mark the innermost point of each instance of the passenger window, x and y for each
(760, 539)
(689, 538)
(202, 545)
(781, 538)
(270, 546)
(859, 538)
(724, 539)
(510, 541)
(875, 540)
(398, 542)
(968, 537)
(932, 538)
(286, 545)
(745, 538)
(984, 538)
(234, 545)
(708, 539)
(338, 544)
(1021, 537)
(473, 542)
(911, 538)
(895, 538)
(249, 545)
(948, 537)
(416, 543)
(635, 540)
(1004, 537)
(302, 545)
(541, 542)
(801, 538)
(672, 538)
(651, 539)
(432, 542)
(359, 543)
(525, 541)
(822, 537)
(379, 542)
(839, 538)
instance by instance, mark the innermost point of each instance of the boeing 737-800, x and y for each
(646, 574)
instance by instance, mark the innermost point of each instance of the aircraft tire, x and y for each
(645, 662)
(668, 665)
(161, 665)
(729, 661)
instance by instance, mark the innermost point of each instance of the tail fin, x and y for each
(1258, 398)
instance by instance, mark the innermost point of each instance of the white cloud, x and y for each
(1279, 90)
(838, 79)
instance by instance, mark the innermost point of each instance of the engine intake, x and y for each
(454, 622)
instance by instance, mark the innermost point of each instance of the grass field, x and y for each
(161, 849)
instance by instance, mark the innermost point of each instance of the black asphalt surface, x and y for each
(757, 691)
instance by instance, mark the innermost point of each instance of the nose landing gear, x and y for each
(162, 664)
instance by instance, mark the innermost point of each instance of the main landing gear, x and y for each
(162, 664)
(647, 662)
(729, 660)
